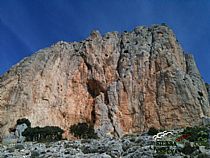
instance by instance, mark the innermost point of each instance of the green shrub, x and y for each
(83, 130)
(188, 149)
(196, 133)
(48, 133)
(152, 131)
(23, 120)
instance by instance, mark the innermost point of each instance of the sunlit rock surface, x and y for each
(119, 82)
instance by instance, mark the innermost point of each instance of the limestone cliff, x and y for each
(208, 90)
(120, 82)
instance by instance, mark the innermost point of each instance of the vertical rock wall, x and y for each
(120, 82)
(208, 90)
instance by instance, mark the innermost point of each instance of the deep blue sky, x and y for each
(29, 25)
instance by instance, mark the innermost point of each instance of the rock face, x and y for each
(208, 90)
(120, 82)
(135, 146)
(16, 135)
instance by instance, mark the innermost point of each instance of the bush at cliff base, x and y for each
(153, 131)
(197, 134)
(83, 130)
(22, 121)
(48, 133)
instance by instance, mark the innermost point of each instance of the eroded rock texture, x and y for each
(121, 83)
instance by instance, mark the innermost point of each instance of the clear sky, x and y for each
(29, 25)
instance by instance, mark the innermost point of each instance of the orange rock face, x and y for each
(120, 83)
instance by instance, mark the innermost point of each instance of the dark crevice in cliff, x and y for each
(200, 93)
(208, 91)
(157, 82)
(94, 88)
(106, 98)
(88, 66)
(121, 46)
(207, 86)
(93, 115)
(45, 64)
(85, 61)
(151, 51)
(84, 56)
(19, 78)
(45, 99)
(110, 116)
(186, 63)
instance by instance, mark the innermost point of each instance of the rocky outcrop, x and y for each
(120, 82)
(208, 90)
(15, 136)
(136, 146)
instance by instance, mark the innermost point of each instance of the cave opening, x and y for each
(94, 88)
